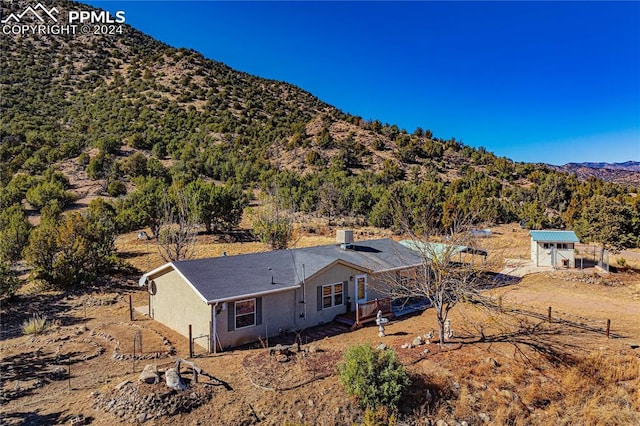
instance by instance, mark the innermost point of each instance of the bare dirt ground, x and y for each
(509, 367)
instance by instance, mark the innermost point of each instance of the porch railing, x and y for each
(368, 311)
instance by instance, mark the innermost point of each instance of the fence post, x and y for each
(608, 327)
(190, 343)
(549, 314)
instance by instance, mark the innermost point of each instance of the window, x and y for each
(245, 315)
(559, 246)
(332, 295)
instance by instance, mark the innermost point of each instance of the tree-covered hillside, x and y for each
(142, 120)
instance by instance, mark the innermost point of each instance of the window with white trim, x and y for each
(332, 295)
(245, 315)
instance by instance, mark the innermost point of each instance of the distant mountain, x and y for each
(633, 166)
(626, 173)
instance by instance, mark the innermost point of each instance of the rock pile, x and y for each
(139, 403)
(589, 279)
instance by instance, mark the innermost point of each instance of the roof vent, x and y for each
(344, 237)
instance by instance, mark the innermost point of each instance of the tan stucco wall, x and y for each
(177, 305)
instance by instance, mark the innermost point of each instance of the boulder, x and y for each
(122, 384)
(150, 374)
(418, 341)
(173, 379)
(484, 417)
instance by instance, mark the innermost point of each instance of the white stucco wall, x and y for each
(542, 256)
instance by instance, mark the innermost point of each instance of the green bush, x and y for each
(9, 283)
(41, 194)
(374, 377)
(83, 159)
(116, 188)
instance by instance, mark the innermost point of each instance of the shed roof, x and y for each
(554, 236)
(230, 277)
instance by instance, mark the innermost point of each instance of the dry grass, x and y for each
(34, 325)
(603, 389)
(515, 383)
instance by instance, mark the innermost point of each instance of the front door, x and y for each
(361, 288)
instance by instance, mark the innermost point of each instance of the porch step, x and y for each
(342, 319)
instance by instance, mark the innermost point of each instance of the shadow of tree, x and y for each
(55, 305)
(553, 341)
(423, 396)
(37, 365)
(36, 419)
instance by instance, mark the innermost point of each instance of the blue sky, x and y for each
(552, 82)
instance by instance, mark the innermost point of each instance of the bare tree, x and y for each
(452, 270)
(273, 221)
(273, 226)
(178, 229)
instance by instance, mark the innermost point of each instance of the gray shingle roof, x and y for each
(228, 277)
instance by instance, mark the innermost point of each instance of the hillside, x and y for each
(108, 115)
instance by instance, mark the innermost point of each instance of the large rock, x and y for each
(150, 374)
(173, 379)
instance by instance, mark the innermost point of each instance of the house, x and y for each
(232, 300)
(553, 248)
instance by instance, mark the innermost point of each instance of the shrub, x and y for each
(116, 188)
(277, 231)
(374, 377)
(9, 283)
(313, 158)
(159, 150)
(83, 159)
(44, 192)
(34, 325)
